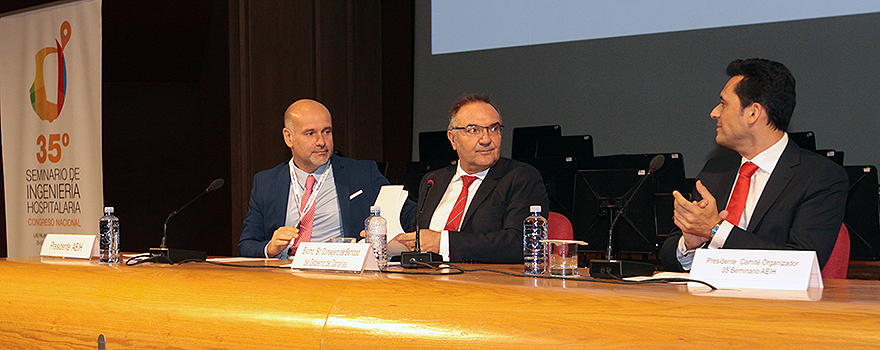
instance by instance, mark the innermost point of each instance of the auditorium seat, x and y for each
(838, 263)
(560, 227)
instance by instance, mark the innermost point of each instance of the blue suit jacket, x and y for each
(268, 205)
(801, 207)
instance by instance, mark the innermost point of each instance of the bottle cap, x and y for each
(108, 209)
(375, 208)
(535, 208)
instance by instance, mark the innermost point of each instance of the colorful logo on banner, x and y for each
(49, 111)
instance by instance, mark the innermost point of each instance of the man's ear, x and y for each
(756, 112)
(451, 136)
(288, 137)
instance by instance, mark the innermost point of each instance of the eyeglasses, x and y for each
(475, 130)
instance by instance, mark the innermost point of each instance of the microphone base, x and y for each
(407, 258)
(617, 269)
(177, 255)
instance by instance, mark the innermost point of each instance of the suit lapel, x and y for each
(495, 174)
(281, 196)
(777, 182)
(441, 183)
(342, 192)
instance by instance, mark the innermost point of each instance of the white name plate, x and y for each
(69, 246)
(757, 269)
(349, 257)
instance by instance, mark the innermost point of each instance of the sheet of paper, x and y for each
(237, 259)
(660, 275)
(394, 248)
(391, 199)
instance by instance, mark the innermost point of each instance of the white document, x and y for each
(238, 259)
(391, 199)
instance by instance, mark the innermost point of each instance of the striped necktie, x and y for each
(307, 219)
(454, 221)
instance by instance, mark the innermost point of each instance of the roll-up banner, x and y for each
(50, 121)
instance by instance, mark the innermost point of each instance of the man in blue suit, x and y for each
(331, 194)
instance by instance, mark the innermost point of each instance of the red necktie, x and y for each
(740, 193)
(307, 219)
(454, 221)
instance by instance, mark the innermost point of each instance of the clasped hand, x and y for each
(696, 219)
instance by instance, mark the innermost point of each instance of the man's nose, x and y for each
(715, 113)
(485, 139)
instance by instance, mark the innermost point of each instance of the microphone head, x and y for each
(657, 162)
(429, 180)
(216, 184)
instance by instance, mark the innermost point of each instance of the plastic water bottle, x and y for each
(109, 236)
(375, 229)
(534, 252)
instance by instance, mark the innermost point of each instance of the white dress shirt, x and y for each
(447, 202)
(327, 222)
(766, 162)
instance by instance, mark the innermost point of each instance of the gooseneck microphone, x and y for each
(429, 183)
(619, 269)
(656, 163)
(413, 258)
(216, 184)
(178, 255)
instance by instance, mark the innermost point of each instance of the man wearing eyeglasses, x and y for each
(475, 210)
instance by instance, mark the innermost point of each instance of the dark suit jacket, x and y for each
(801, 207)
(492, 230)
(268, 206)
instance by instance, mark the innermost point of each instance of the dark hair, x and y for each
(466, 100)
(768, 83)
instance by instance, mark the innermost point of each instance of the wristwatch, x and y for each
(715, 229)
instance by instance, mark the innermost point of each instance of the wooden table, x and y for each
(864, 269)
(55, 303)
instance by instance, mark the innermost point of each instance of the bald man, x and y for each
(315, 194)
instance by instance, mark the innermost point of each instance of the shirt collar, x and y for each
(459, 172)
(300, 175)
(767, 159)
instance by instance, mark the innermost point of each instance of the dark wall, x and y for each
(195, 90)
(653, 93)
(166, 137)
(397, 84)
(353, 56)
(165, 119)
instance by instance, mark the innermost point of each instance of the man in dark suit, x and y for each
(770, 194)
(343, 188)
(475, 210)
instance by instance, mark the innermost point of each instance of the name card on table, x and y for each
(70, 246)
(757, 269)
(349, 257)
